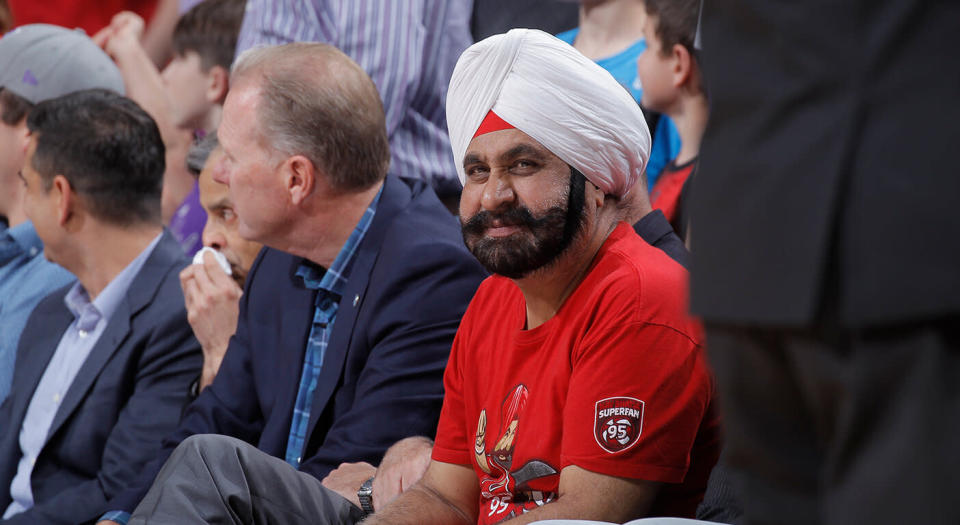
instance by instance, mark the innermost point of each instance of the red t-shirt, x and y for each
(615, 383)
(92, 16)
(665, 195)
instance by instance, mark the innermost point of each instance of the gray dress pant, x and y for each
(221, 480)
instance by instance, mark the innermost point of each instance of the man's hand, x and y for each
(402, 466)
(107, 522)
(347, 478)
(213, 306)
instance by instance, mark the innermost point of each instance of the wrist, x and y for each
(365, 495)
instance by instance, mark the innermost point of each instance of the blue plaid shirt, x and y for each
(329, 285)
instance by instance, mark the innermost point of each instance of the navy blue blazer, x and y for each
(382, 375)
(129, 392)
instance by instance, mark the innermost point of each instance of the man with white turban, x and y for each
(577, 385)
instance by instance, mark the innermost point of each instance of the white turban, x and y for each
(563, 100)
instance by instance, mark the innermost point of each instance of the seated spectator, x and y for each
(610, 32)
(672, 85)
(198, 77)
(186, 98)
(405, 462)
(212, 296)
(408, 48)
(37, 62)
(103, 366)
(541, 417)
(343, 336)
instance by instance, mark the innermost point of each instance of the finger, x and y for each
(190, 296)
(216, 274)
(204, 283)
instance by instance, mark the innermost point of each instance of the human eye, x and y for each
(227, 215)
(524, 166)
(476, 171)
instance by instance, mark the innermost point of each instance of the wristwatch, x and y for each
(365, 495)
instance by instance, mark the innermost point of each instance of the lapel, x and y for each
(296, 306)
(36, 348)
(396, 195)
(141, 292)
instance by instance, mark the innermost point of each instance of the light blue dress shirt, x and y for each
(90, 320)
(26, 277)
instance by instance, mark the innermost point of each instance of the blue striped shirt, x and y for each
(329, 285)
(409, 49)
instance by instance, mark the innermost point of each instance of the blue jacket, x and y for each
(382, 373)
(129, 392)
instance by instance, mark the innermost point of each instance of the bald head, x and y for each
(317, 102)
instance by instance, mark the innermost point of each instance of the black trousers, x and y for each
(833, 425)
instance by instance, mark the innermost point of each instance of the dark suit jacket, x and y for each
(129, 392)
(382, 374)
(825, 189)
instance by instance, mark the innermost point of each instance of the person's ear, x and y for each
(299, 177)
(596, 194)
(218, 83)
(22, 137)
(66, 202)
(682, 65)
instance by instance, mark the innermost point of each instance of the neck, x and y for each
(545, 291)
(15, 214)
(103, 251)
(12, 196)
(337, 216)
(212, 119)
(691, 121)
(608, 27)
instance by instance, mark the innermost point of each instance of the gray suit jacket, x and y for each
(127, 395)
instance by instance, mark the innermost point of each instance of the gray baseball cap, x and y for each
(43, 61)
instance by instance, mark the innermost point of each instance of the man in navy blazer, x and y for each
(103, 365)
(365, 305)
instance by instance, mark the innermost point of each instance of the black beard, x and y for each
(516, 255)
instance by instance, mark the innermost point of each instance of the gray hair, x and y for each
(200, 152)
(317, 102)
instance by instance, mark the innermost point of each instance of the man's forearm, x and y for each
(420, 505)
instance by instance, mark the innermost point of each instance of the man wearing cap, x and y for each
(576, 386)
(37, 62)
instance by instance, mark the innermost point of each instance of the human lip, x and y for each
(501, 231)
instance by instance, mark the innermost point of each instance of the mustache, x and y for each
(518, 216)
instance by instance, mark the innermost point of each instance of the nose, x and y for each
(213, 236)
(497, 191)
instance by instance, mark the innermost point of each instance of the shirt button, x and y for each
(56, 398)
(33, 251)
(33, 461)
(83, 333)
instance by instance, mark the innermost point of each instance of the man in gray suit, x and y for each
(103, 365)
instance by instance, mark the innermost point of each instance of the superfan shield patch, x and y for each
(617, 423)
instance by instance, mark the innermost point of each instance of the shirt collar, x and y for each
(25, 235)
(89, 313)
(334, 279)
